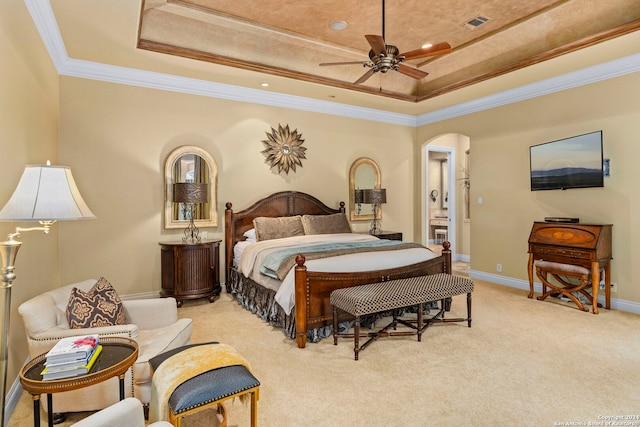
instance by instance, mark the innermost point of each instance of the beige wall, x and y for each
(28, 135)
(500, 140)
(117, 138)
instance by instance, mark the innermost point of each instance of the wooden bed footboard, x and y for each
(313, 289)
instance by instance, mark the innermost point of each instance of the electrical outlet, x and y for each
(204, 235)
(499, 268)
(614, 287)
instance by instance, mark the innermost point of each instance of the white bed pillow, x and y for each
(250, 235)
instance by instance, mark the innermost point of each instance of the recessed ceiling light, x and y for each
(338, 25)
(264, 84)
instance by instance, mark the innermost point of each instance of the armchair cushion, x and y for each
(101, 306)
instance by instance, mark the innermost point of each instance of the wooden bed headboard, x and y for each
(284, 203)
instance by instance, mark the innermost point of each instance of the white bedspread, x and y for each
(253, 254)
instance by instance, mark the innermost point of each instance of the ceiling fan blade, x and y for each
(412, 72)
(342, 63)
(436, 49)
(364, 77)
(377, 44)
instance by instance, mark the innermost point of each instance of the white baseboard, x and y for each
(616, 304)
(12, 398)
(462, 258)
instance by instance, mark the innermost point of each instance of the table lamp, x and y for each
(190, 193)
(376, 197)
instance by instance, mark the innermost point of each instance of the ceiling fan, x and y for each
(384, 57)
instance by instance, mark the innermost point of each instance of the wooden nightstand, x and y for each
(190, 270)
(389, 235)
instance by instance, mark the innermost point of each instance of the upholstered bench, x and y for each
(561, 272)
(396, 294)
(229, 378)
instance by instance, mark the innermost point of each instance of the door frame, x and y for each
(451, 189)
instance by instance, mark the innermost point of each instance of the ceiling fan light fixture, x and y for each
(338, 25)
(385, 56)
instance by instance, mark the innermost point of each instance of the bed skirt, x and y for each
(261, 301)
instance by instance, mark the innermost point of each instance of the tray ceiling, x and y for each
(291, 38)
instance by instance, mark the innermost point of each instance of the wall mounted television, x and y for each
(574, 162)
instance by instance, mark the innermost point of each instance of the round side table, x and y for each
(118, 355)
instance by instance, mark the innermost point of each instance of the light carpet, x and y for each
(522, 363)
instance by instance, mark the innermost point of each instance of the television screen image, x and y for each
(574, 162)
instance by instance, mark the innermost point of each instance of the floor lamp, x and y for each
(45, 194)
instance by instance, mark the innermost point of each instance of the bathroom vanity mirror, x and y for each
(364, 174)
(195, 165)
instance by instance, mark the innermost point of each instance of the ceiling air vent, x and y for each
(477, 21)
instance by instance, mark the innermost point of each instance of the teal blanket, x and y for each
(278, 263)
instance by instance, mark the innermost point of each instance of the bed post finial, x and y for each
(228, 206)
(446, 253)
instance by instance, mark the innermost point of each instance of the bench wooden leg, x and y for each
(420, 306)
(335, 326)
(469, 309)
(356, 337)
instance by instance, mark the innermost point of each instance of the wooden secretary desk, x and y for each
(586, 245)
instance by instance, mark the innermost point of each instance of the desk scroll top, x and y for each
(565, 234)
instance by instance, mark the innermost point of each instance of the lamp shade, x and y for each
(358, 196)
(190, 192)
(46, 193)
(374, 196)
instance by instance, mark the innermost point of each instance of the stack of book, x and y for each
(71, 357)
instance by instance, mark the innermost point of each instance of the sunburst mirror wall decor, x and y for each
(284, 149)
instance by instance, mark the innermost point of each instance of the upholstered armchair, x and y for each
(153, 323)
(127, 412)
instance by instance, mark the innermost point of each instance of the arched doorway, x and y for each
(445, 165)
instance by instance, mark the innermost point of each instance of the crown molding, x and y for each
(45, 21)
(606, 70)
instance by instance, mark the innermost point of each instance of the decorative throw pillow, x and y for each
(326, 224)
(278, 228)
(101, 306)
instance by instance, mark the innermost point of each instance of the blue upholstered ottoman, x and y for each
(209, 388)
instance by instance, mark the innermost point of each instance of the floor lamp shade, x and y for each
(46, 193)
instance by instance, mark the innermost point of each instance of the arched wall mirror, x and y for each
(194, 165)
(364, 174)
